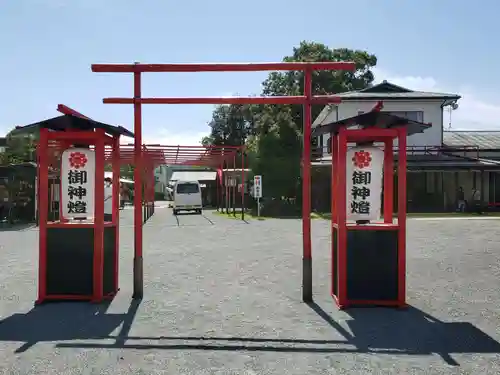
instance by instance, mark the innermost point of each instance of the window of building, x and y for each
(410, 115)
(316, 147)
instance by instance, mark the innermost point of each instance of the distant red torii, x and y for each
(156, 154)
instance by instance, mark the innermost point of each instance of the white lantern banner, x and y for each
(364, 168)
(77, 183)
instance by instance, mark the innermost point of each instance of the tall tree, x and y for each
(273, 154)
(278, 129)
(19, 149)
(229, 126)
(323, 82)
(273, 133)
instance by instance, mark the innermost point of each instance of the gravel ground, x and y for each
(223, 297)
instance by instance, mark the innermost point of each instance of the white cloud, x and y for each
(475, 112)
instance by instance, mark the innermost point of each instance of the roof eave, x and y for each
(66, 122)
(323, 115)
(399, 98)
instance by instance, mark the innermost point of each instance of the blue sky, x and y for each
(49, 45)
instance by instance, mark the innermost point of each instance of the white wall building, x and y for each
(427, 107)
(161, 178)
(439, 161)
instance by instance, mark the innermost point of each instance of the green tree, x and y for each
(277, 148)
(323, 82)
(127, 171)
(273, 154)
(228, 126)
(207, 140)
(273, 133)
(19, 149)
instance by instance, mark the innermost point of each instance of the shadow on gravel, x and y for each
(374, 330)
(411, 331)
(65, 321)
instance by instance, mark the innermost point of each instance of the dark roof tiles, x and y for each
(68, 122)
(373, 119)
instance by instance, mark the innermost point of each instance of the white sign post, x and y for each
(77, 183)
(257, 191)
(364, 183)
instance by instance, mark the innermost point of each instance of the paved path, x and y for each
(223, 297)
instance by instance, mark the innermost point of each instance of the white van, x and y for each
(187, 197)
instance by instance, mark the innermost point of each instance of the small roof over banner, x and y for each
(70, 122)
(372, 119)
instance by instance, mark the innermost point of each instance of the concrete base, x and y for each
(138, 278)
(307, 292)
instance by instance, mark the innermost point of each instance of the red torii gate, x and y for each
(307, 100)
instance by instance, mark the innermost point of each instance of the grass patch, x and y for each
(322, 215)
(237, 216)
(328, 216)
(314, 215)
(454, 214)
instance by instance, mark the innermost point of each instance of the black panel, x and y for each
(372, 265)
(335, 261)
(70, 256)
(109, 260)
(70, 261)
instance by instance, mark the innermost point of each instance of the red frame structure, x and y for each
(61, 141)
(338, 221)
(207, 156)
(53, 143)
(214, 157)
(307, 100)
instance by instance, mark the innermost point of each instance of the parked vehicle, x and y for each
(187, 197)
